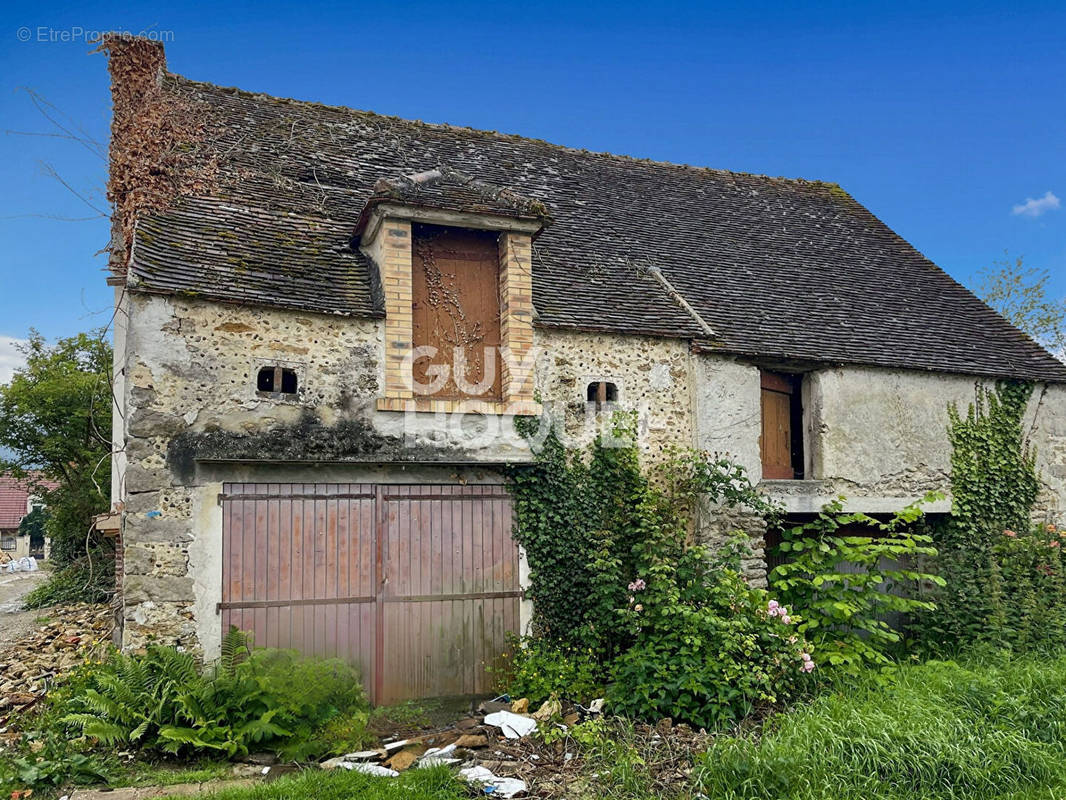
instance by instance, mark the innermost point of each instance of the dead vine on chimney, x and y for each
(153, 155)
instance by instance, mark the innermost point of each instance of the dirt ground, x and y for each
(14, 622)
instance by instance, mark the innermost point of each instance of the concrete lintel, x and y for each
(435, 216)
(808, 497)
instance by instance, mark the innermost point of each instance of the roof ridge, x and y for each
(237, 91)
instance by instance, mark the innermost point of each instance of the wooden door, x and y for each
(456, 310)
(416, 584)
(776, 442)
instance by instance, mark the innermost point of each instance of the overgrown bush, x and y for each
(678, 633)
(78, 582)
(711, 650)
(162, 702)
(1031, 566)
(539, 669)
(847, 585)
(582, 517)
(986, 729)
(322, 702)
(566, 511)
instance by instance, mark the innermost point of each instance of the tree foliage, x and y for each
(1021, 295)
(55, 424)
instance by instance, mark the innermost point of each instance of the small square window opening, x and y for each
(601, 393)
(276, 380)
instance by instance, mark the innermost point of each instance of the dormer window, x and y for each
(276, 380)
(454, 260)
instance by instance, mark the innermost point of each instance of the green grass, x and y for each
(416, 784)
(992, 729)
(139, 774)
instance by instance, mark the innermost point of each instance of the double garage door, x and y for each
(417, 584)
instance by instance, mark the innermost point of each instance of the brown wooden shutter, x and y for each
(456, 304)
(776, 439)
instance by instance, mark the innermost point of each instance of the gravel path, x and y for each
(14, 622)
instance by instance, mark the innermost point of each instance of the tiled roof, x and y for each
(14, 495)
(778, 268)
(450, 190)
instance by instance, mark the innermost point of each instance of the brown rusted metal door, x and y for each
(417, 584)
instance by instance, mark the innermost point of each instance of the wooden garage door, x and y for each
(417, 584)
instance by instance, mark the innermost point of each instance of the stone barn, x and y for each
(328, 321)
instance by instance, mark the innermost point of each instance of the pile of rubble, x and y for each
(65, 637)
(499, 751)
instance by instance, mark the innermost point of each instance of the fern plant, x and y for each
(161, 701)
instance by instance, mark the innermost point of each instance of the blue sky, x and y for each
(942, 118)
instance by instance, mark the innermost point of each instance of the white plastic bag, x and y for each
(500, 787)
(514, 726)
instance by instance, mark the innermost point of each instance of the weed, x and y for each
(418, 784)
(991, 728)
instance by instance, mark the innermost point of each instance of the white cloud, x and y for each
(1035, 207)
(10, 357)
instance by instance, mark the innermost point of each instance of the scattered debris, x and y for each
(498, 751)
(438, 756)
(403, 760)
(341, 762)
(493, 784)
(371, 769)
(68, 636)
(550, 708)
(26, 564)
(514, 726)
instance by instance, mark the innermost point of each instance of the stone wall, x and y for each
(653, 377)
(729, 423)
(189, 391)
(192, 418)
(883, 434)
(877, 436)
(1046, 424)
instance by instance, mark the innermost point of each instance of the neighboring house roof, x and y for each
(14, 497)
(779, 268)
